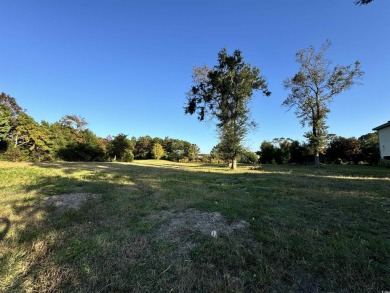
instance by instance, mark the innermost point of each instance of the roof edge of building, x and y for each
(382, 126)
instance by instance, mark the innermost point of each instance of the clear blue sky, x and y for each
(125, 66)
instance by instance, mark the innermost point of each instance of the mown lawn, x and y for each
(310, 229)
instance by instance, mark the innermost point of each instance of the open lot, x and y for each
(147, 227)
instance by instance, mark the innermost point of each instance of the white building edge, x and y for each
(384, 140)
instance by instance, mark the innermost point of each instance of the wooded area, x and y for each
(69, 139)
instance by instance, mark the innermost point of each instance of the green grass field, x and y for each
(145, 228)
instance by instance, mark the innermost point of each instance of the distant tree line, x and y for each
(69, 139)
(220, 156)
(339, 150)
(146, 147)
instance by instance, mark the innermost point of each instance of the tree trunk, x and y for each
(233, 164)
(317, 159)
(16, 142)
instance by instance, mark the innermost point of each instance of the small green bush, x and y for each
(15, 155)
(128, 156)
(249, 157)
(184, 160)
(206, 159)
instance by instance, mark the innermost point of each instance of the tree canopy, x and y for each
(313, 88)
(223, 93)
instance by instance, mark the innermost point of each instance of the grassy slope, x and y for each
(321, 229)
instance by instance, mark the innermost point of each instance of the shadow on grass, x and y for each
(305, 220)
(66, 249)
(56, 243)
(7, 225)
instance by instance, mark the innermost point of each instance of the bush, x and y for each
(249, 158)
(206, 159)
(40, 156)
(15, 155)
(157, 151)
(128, 156)
(184, 160)
(80, 152)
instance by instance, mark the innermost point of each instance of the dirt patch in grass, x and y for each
(208, 251)
(199, 221)
(69, 201)
(179, 227)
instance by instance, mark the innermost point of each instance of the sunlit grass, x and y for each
(320, 229)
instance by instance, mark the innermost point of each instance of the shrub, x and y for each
(184, 160)
(249, 157)
(157, 151)
(206, 159)
(40, 156)
(15, 155)
(128, 156)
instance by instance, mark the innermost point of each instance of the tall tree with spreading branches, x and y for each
(312, 90)
(223, 93)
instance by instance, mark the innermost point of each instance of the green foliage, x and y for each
(175, 149)
(20, 134)
(5, 126)
(267, 152)
(10, 105)
(15, 155)
(218, 154)
(118, 146)
(22, 138)
(206, 159)
(224, 93)
(72, 144)
(157, 151)
(184, 160)
(23, 130)
(299, 153)
(248, 157)
(60, 137)
(283, 151)
(343, 150)
(128, 156)
(28, 136)
(143, 147)
(193, 152)
(81, 151)
(369, 144)
(313, 89)
(340, 150)
(74, 121)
